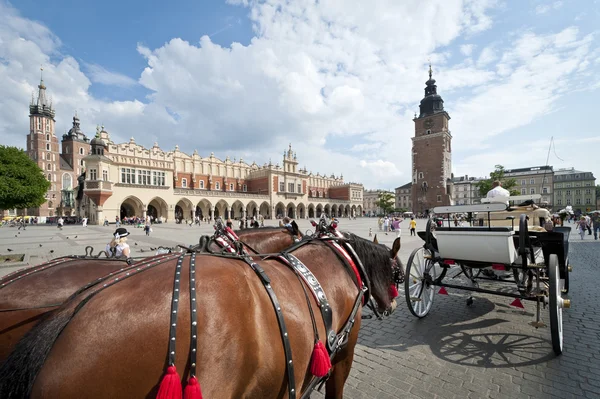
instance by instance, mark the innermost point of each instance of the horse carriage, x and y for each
(533, 255)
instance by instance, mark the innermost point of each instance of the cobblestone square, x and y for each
(486, 350)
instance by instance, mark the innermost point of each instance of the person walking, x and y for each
(588, 221)
(117, 221)
(396, 225)
(413, 226)
(60, 223)
(582, 226)
(84, 222)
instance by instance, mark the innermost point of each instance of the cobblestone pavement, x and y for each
(487, 350)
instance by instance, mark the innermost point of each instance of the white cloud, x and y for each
(326, 77)
(544, 8)
(98, 74)
(467, 49)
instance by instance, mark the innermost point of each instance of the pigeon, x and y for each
(9, 250)
(16, 235)
(40, 245)
(152, 249)
(19, 232)
(51, 251)
(136, 243)
(67, 238)
(75, 237)
(142, 250)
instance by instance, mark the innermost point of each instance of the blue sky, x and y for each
(340, 80)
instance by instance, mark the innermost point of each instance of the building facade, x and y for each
(101, 179)
(576, 188)
(431, 153)
(404, 197)
(534, 180)
(370, 198)
(466, 191)
(61, 161)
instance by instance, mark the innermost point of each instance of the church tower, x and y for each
(43, 148)
(431, 153)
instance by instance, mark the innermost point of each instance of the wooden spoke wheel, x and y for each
(418, 283)
(556, 304)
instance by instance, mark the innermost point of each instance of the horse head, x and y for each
(378, 261)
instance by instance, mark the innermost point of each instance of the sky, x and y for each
(338, 79)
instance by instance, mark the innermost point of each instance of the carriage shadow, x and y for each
(475, 336)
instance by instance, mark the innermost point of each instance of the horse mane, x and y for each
(20, 369)
(376, 260)
(254, 230)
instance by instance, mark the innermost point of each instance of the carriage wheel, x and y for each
(556, 305)
(418, 283)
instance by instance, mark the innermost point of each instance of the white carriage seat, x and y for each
(478, 244)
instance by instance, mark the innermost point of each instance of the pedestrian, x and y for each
(596, 223)
(147, 227)
(396, 224)
(105, 221)
(380, 223)
(588, 222)
(413, 226)
(117, 221)
(118, 246)
(370, 232)
(60, 223)
(84, 222)
(582, 226)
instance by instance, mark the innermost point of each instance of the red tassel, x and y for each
(393, 291)
(319, 362)
(192, 390)
(170, 386)
(443, 291)
(517, 304)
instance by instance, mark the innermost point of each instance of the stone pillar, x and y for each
(227, 212)
(99, 216)
(243, 213)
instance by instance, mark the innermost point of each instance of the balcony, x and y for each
(98, 185)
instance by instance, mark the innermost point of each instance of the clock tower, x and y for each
(431, 153)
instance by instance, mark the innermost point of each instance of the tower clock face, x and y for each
(429, 123)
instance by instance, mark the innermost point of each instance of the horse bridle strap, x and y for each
(289, 365)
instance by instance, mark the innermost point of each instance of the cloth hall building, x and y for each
(101, 179)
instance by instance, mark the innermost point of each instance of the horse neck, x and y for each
(268, 242)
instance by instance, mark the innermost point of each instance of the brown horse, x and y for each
(25, 300)
(112, 342)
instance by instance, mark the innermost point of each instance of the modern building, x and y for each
(370, 198)
(127, 179)
(576, 188)
(534, 180)
(466, 191)
(404, 196)
(431, 153)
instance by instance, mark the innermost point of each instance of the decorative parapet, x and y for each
(148, 186)
(225, 194)
(98, 185)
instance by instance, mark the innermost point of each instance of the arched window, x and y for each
(48, 147)
(49, 166)
(67, 182)
(49, 177)
(201, 183)
(47, 137)
(81, 151)
(184, 183)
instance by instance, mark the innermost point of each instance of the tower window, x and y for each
(48, 137)
(81, 151)
(47, 147)
(428, 131)
(420, 175)
(439, 198)
(105, 175)
(49, 166)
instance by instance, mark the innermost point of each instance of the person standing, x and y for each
(60, 223)
(147, 226)
(84, 222)
(413, 226)
(588, 222)
(396, 225)
(596, 224)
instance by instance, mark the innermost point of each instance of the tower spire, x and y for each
(430, 71)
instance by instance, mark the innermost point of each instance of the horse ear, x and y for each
(395, 248)
(295, 228)
(375, 240)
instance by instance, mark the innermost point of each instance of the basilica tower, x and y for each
(431, 153)
(43, 148)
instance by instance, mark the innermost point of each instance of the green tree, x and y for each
(22, 182)
(386, 201)
(598, 191)
(498, 174)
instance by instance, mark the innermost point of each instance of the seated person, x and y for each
(118, 245)
(498, 193)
